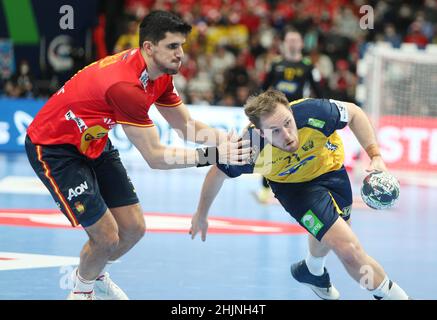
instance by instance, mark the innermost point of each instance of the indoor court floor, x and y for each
(246, 256)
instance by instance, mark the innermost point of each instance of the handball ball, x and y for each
(380, 190)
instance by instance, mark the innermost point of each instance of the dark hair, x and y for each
(157, 23)
(289, 29)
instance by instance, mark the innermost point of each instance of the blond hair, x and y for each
(263, 104)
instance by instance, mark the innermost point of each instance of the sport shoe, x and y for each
(81, 295)
(106, 289)
(264, 195)
(321, 285)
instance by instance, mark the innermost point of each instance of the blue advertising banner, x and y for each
(15, 117)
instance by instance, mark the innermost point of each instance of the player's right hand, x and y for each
(234, 151)
(199, 223)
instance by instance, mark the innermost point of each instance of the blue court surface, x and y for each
(247, 254)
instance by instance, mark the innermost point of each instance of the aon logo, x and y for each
(77, 191)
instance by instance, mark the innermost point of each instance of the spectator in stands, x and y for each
(343, 82)
(227, 100)
(391, 36)
(129, 39)
(22, 84)
(416, 36)
(221, 60)
(237, 76)
(324, 64)
(427, 27)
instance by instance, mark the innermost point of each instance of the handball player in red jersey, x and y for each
(68, 146)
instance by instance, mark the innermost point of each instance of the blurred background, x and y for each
(227, 55)
(379, 54)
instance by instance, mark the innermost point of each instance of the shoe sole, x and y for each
(315, 290)
(323, 297)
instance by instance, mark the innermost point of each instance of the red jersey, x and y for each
(115, 89)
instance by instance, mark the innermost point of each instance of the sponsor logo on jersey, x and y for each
(296, 167)
(346, 211)
(111, 123)
(286, 87)
(144, 78)
(311, 222)
(330, 146)
(79, 122)
(316, 123)
(77, 191)
(93, 133)
(344, 116)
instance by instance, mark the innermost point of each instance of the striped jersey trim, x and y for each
(169, 105)
(136, 124)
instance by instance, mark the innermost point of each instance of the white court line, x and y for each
(15, 261)
(22, 185)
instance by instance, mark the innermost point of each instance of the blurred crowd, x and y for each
(233, 43)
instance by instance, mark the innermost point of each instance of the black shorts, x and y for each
(83, 188)
(317, 204)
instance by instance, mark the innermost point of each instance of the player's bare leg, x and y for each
(131, 228)
(318, 250)
(347, 247)
(103, 241)
(312, 271)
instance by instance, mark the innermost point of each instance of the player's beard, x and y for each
(164, 68)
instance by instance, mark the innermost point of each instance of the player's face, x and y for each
(293, 42)
(167, 54)
(279, 129)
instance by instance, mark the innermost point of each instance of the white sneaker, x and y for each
(81, 296)
(106, 289)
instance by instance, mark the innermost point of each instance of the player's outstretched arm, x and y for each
(363, 130)
(158, 156)
(210, 188)
(189, 129)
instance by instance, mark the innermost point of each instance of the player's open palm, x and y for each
(199, 223)
(234, 151)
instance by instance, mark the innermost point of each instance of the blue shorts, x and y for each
(82, 188)
(318, 203)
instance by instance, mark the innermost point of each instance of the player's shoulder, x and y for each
(311, 112)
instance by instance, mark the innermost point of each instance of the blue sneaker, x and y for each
(321, 285)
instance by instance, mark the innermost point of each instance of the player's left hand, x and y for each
(199, 223)
(376, 164)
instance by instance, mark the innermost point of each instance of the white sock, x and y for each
(389, 290)
(315, 265)
(83, 286)
(105, 268)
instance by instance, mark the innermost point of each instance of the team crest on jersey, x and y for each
(308, 145)
(80, 208)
